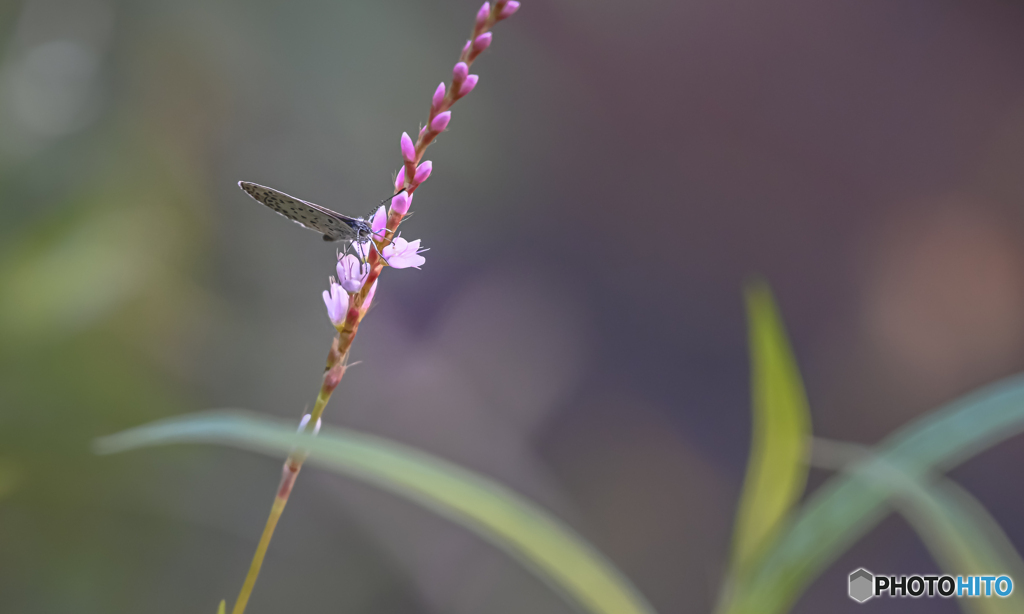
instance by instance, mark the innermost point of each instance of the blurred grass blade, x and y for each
(222, 607)
(845, 508)
(955, 527)
(10, 478)
(964, 539)
(552, 550)
(781, 428)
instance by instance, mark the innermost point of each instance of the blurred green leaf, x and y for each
(10, 476)
(112, 255)
(552, 550)
(964, 539)
(846, 507)
(780, 432)
(222, 607)
(955, 527)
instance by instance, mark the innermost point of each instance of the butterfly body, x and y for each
(333, 226)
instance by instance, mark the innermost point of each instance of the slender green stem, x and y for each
(261, 549)
(318, 409)
(332, 376)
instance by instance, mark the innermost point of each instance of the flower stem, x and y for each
(287, 480)
(332, 377)
(350, 325)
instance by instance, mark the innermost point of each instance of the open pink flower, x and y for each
(337, 303)
(402, 254)
(351, 273)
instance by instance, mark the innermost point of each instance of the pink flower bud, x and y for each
(400, 179)
(465, 48)
(481, 15)
(507, 10)
(337, 303)
(459, 73)
(400, 203)
(438, 96)
(439, 123)
(422, 172)
(468, 85)
(482, 42)
(379, 225)
(305, 421)
(408, 149)
(422, 130)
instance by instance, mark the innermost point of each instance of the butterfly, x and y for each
(333, 226)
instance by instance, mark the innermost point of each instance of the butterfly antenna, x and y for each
(383, 202)
(388, 199)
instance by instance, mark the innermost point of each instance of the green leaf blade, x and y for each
(780, 433)
(965, 540)
(552, 550)
(954, 526)
(844, 508)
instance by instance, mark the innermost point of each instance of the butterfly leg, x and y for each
(379, 253)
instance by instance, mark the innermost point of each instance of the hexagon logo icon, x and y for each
(861, 585)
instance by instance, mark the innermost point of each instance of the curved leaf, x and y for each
(955, 527)
(552, 550)
(845, 508)
(964, 538)
(780, 432)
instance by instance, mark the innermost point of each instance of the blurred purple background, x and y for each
(577, 331)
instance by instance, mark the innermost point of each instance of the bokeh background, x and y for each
(577, 331)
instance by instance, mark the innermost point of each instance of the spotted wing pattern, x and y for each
(334, 226)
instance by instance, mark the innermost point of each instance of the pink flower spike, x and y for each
(408, 149)
(351, 274)
(459, 73)
(402, 254)
(506, 11)
(379, 224)
(482, 42)
(440, 122)
(438, 96)
(468, 85)
(369, 296)
(483, 13)
(400, 203)
(400, 179)
(422, 172)
(337, 304)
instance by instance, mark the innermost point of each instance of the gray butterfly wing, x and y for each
(334, 226)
